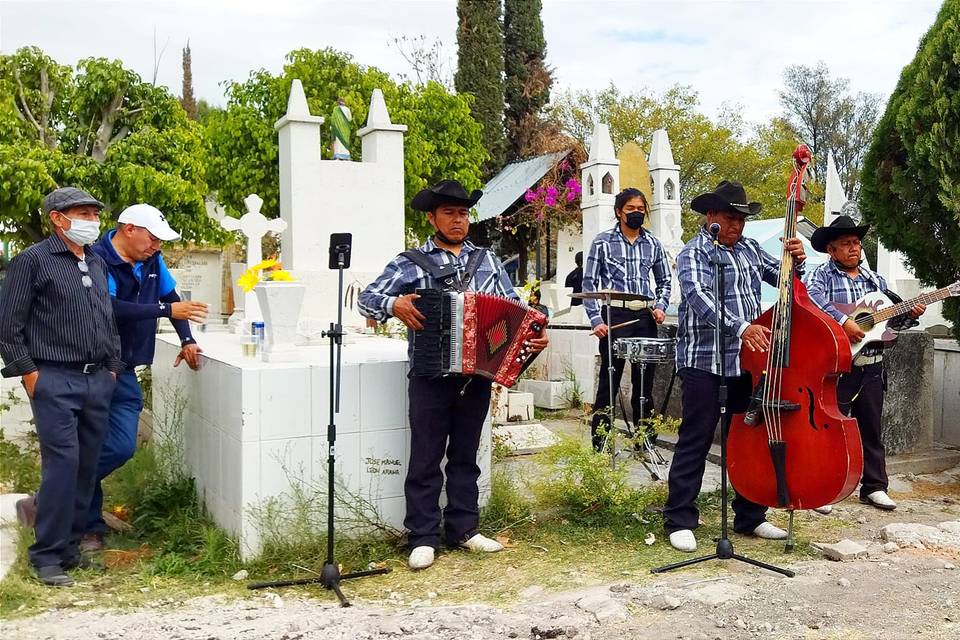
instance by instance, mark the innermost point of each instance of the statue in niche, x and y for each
(340, 121)
(668, 190)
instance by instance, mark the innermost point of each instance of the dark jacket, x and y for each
(139, 301)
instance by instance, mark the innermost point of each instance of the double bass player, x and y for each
(745, 264)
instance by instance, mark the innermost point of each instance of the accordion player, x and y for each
(470, 333)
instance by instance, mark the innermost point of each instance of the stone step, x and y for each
(932, 460)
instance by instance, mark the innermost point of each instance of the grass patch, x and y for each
(573, 522)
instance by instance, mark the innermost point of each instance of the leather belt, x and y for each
(633, 305)
(863, 360)
(82, 367)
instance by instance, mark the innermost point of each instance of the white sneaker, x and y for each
(880, 500)
(769, 531)
(825, 510)
(482, 543)
(683, 540)
(420, 558)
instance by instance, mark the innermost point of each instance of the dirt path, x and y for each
(912, 591)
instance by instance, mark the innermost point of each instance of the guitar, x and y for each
(871, 313)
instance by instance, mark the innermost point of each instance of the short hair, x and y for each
(627, 195)
(578, 259)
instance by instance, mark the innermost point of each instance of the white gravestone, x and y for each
(201, 274)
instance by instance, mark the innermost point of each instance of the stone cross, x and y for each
(254, 225)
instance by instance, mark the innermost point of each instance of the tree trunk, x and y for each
(108, 118)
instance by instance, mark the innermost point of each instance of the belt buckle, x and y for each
(89, 367)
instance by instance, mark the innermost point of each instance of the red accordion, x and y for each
(473, 333)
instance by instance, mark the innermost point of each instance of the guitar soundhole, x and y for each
(864, 321)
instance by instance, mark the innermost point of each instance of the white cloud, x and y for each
(728, 51)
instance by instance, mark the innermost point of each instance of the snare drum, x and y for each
(645, 350)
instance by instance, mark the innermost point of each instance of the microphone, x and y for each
(714, 230)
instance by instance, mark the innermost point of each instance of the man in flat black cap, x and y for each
(58, 334)
(446, 413)
(844, 279)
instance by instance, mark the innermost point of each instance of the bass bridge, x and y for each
(758, 405)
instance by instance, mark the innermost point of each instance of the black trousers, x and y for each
(446, 416)
(860, 395)
(645, 328)
(72, 413)
(701, 412)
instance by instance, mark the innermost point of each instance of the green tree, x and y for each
(528, 80)
(829, 118)
(707, 151)
(102, 129)
(480, 72)
(442, 141)
(911, 177)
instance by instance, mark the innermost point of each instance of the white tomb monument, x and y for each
(252, 429)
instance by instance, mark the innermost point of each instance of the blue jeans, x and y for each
(120, 443)
(70, 411)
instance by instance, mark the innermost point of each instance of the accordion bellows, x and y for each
(473, 333)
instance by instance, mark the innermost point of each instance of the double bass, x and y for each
(793, 448)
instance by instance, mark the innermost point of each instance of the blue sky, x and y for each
(732, 52)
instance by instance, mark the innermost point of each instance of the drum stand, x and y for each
(651, 459)
(612, 405)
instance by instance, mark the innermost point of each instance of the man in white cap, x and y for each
(142, 291)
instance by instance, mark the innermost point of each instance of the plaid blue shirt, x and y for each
(402, 277)
(746, 264)
(615, 263)
(828, 284)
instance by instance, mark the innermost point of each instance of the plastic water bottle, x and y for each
(259, 334)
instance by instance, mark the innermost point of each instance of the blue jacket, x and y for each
(141, 293)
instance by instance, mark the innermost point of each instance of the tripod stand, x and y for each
(330, 576)
(724, 545)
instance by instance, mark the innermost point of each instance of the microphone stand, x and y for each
(330, 575)
(724, 545)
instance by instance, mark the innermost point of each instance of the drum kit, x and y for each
(643, 351)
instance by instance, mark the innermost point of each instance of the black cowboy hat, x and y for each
(842, 226)
(444, 192)
(728, 196)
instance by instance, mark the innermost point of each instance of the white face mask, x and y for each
(83, 232)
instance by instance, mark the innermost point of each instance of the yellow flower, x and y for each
(248, 280)
(269, 263)
(281, 275)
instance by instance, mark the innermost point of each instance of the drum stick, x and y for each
(623, 324)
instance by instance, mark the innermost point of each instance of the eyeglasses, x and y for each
(86, 280)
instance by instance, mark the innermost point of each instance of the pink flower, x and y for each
(572, 185)
(529, 196)
(552, 191)
(571, 196)
(550, 201)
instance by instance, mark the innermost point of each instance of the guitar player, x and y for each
(845, 280)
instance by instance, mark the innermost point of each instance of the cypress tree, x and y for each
(187, 99)
(910, 186)
(527, 83)
(480, 72)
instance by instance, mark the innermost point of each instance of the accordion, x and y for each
(469, 333)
